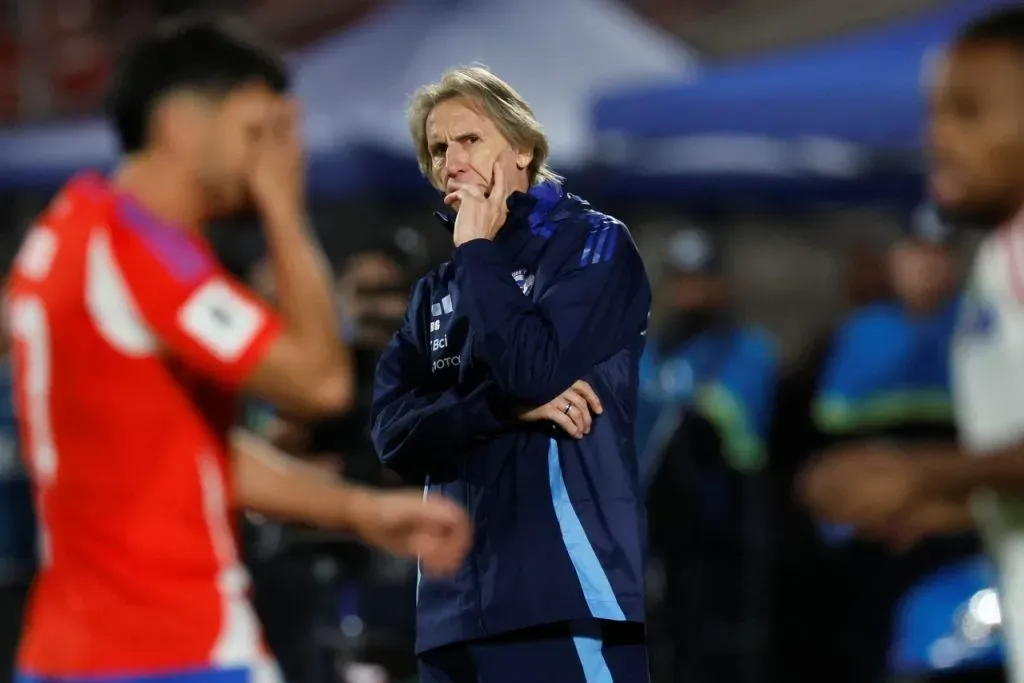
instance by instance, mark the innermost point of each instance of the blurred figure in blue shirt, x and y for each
(707, 385)
(886, 378)
(17, 529)
(703, 356)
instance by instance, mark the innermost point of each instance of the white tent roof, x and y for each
(557, 53)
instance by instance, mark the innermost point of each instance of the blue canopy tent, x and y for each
(839, 121)
(354, 87)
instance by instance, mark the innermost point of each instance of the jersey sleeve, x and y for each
(203, 317)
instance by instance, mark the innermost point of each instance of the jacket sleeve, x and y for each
(595, 302)
(417, 429)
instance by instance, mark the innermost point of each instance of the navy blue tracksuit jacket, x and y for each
(559, 295)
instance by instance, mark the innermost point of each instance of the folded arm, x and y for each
(416, 429)
(535, 350)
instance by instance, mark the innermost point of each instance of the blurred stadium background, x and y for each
(787, 132)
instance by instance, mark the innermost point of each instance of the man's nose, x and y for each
(456, 161)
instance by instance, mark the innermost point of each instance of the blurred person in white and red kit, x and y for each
(886, 378)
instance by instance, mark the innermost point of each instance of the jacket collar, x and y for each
(530, 208)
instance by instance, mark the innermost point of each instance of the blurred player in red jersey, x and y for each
(131, 345)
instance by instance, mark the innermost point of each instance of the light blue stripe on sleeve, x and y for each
(597, 589)
(591, 654)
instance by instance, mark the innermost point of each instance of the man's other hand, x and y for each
(436, 530)
(572, 410)
(862, 484)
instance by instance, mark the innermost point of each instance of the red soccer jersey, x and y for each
(130, 344)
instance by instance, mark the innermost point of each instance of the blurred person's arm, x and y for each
(295, 438)
(209, 321)
(416, 429)
(946, 472)
(221, 329)
(308, 368)
(289, 435)
(879, 485)
(276, 485)
(937, 517)
(191, 309)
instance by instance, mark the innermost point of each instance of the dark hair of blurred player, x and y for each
(976, 130)
(189, 105)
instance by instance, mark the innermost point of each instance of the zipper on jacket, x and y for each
(474, 555)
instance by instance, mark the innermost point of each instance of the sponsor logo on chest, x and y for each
(437, 341)
(523, 280)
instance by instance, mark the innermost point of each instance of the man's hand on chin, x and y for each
(481, 213)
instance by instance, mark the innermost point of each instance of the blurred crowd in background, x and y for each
(56, 55)
(766, 156)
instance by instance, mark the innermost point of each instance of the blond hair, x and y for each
(500, 103)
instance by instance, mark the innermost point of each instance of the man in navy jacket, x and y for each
(512, 387)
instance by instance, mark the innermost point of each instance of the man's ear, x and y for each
(523, 159)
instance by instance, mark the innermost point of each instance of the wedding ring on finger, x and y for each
(568, 407)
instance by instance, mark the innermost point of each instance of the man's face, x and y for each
(976, 134)
(922, 275)
(229, 132)
(464, 146)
